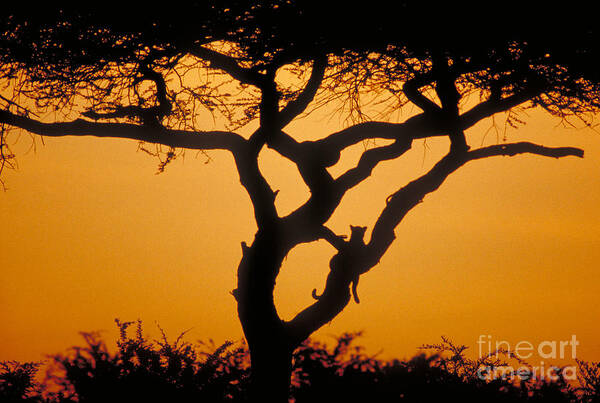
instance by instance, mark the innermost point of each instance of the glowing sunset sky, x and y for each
(508, 247)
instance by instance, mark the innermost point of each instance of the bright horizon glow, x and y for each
(508, 247)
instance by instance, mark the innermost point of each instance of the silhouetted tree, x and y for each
(108, 72)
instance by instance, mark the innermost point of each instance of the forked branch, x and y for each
(336, 294)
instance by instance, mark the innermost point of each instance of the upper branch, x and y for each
(230, 66)
(369, 160)
(298, 105)
(495, 105)
(282, 142)
(316, 156)
(449, 96)
(150, 116)
(329, 148)
(411, 90)
(401, 202)
(164, 105)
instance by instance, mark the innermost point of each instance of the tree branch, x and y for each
(313, 157)
(229, 65)
(401, 202)
(261, 194)
(150, 116)
(369, 160)
(337, 241)
(495, 105)
(449, 96)
(361, 258)
(412, 93)
(327, 193)
(299, 105)
(328, 149)
(208, 140)
(344, 271)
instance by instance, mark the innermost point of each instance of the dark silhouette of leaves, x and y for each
(145, 370)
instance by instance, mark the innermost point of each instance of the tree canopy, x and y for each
(101, 54)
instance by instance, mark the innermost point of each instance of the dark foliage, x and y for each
(17, 381)
(154, 371)
(143, 370)
(98, 53)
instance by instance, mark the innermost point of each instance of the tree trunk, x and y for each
(271, 362)
(269, 344)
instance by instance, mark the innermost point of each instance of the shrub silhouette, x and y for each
(141, 370)
(589, 377)
(17, 381)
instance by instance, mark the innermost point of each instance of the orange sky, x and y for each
(508, 247)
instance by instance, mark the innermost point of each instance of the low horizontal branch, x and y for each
(200, 140)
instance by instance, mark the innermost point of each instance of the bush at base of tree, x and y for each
(142, 370)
